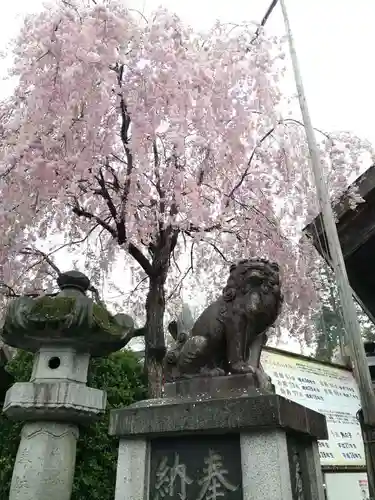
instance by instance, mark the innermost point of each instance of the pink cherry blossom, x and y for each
(150, 138)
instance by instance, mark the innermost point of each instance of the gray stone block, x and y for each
(265, 466)
(57, 401)
(132, 468)
(246, 413)
(60, 363)
(214, 387)
(44, 466)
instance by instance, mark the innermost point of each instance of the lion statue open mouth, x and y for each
(228, 336)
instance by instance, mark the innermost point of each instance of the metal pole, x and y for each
(352, 327)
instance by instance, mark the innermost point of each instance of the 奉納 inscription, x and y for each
(204, 468)
(170, 479)
(214, 484)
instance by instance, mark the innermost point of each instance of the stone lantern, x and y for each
(63, 331)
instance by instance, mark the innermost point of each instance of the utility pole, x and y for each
(352, 327)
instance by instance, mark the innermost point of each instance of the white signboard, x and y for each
(325, 389)
(346, 485)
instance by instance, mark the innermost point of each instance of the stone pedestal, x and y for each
(45, 461)
(55, 401)
(242, 447)
(214, 387)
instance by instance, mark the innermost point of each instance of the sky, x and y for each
(333, 40)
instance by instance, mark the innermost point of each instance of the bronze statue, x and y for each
(228, 336)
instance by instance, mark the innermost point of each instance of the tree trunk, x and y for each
(154, 339)
(154, 374)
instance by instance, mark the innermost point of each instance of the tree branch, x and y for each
(138, 285)
(192, 256)
(124, 134)
(268, 134)
(158, 184)
(116, 183)
(216, 250)
(120, 224)
(246, 172)
(104, 192)
(35, 251)
(132, 249)
(178, 285)
(125, 125)
(213, 245)
(190, 268)
(140, 258)
(74, 242)
(80, 212)
(195, 229)
(10, 293)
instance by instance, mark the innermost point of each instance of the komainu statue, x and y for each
(228, 336)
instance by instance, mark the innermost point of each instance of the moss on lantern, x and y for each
(106, 321)
(53, 310)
